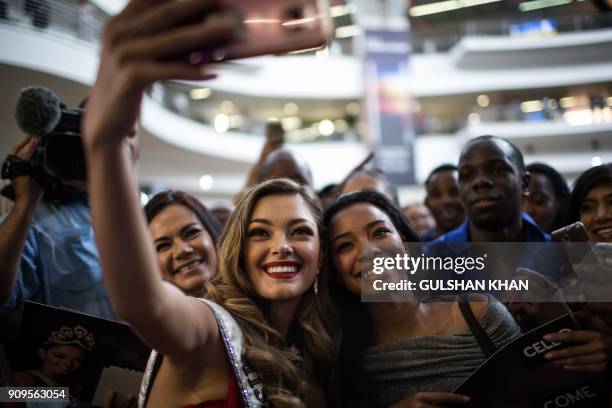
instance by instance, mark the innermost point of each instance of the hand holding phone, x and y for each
(575, 232)
(277, 27)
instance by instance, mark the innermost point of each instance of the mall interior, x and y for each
(536, 72)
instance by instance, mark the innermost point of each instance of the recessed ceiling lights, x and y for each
(200, 93)
(206, 182)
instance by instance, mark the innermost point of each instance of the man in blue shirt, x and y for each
(492, 184)
(48, 252)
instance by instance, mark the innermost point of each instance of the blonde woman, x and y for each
(270, 324)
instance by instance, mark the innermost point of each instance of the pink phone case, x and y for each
(279, 27)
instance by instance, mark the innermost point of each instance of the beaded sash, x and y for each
(247, 378)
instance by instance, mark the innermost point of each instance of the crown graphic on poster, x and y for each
(78, 336)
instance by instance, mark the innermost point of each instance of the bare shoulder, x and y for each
(203, 318)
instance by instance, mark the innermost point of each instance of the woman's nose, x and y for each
(604, 212)
(183, 249)
(282, 248)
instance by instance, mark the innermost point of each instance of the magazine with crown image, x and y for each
(93, 357)
(518, 375)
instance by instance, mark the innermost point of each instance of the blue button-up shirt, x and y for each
(545, 259)
(60, 265)
(531, 232)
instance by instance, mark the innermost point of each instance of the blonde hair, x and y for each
(279, 365)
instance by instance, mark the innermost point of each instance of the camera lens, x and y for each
(293, 17)
(295, 13)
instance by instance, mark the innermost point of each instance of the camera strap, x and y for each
(14, 166)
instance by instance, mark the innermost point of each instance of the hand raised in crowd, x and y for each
(431, 400)
(27, 190)
(591, 352)
(147, 42)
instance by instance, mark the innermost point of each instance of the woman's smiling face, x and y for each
(359, 233)
(283, 250)
(185, 251)
(596, 213)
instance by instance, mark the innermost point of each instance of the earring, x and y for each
(316, 284)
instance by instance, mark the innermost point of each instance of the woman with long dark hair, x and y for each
(403, 353)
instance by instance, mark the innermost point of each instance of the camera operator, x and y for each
(47, 248)
(48, 252)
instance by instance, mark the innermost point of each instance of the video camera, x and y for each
(59, 154)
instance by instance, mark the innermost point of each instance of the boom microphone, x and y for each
(38, 110)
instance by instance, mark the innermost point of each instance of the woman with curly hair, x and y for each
(271, 282)
(268, 324)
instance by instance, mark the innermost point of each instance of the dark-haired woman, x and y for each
(61, 355)
(184, 234)
(401, 354)
(547, 199)
(591, 203)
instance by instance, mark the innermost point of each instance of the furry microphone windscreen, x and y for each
(38, 110)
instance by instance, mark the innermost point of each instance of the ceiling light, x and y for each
(596, 161)
(291, 123)
(532, 106)
(144, 198)
(444, 6)
(326, 127)
(567, 102)
(226, 107)
(200, 93)
(347, 31)
(206, 182)
(235, 121)
(483, 101)
(221, 122)
(540, 4)
(290, 109)
(352, 108)
(341, 125)
(342, 10)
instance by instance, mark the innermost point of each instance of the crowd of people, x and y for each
(262, 305)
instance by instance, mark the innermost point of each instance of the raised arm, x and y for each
(142, 45)
(14, 228)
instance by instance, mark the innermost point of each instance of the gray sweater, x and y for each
(393, 371)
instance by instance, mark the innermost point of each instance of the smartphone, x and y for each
(278, 27)
(575, 232)
(574, 240)
(275, 133)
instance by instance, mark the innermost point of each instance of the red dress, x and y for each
(233, 400)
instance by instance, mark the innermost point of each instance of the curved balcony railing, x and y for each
(64, 19)
(200, 105)
(423, 43)
(582, 109)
